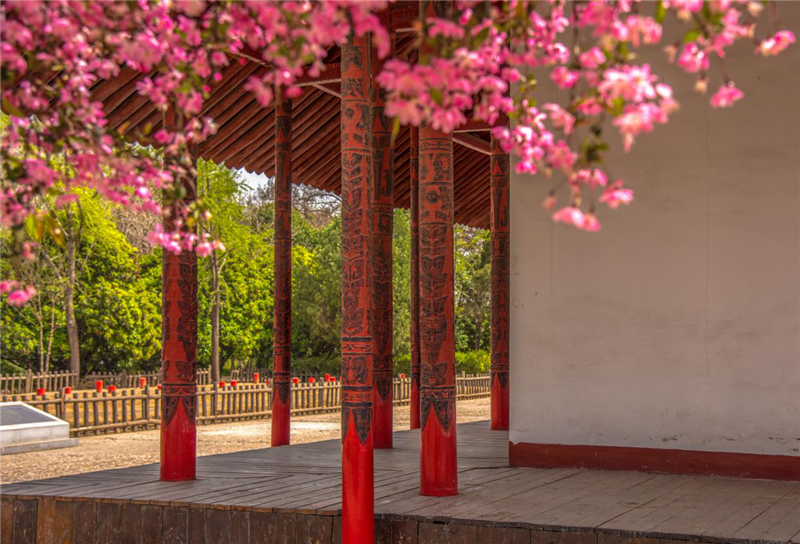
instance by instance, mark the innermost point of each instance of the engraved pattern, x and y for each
(357, 337)
(282, 313)
(382, 227)
(179, 334)
(501, 271)
(172, 396)
(414, 180)
(436, 296)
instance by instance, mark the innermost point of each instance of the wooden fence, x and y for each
(90, 412)
(123, 380)
(30, 382)
(11, 384)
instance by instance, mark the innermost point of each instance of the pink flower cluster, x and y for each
(53, 53)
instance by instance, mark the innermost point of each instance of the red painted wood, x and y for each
(358, 490)
(501, 280)
(414, 178)
(382, 226)
(179, 360)
(282, 330)
(706, 463)
(438, 463)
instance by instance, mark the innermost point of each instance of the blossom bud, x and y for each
(549, 203)
(672, 52)
(701, 85)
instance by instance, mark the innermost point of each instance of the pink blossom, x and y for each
(590, 223)
(726, 96)
(6, 286)
(204, 249)
(570, 215)
(66, 199)
(592, 178)
(21, 296)
(563, 77)
(560, 117)
(443, 27)
(615, 195)
(262, 92)
(693, 59)
(592, 59)
(775, 44)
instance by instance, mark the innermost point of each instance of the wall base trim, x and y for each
(705, 463)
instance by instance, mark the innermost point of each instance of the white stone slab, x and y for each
(25, 428)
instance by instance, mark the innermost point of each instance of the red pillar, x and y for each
(282, 329)
(501, 279)
(438, 463)
(357, 386)
(382, 225)
(178, 355)
(414, 175)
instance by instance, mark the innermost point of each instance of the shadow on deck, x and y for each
(292, 494)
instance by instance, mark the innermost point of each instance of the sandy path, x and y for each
(129, 449)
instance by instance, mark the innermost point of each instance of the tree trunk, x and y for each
(72, 242)
(50, 337)
(40, 319)
(215, 306)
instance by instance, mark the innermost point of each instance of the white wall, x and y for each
(678, 325)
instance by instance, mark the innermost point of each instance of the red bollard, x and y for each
(327, 377)
(233, 383)
(256, 377)
(222, 385)
(112, 388)
(312, 380)
(98, 386)
(402, 376)
(295, 380)
(158, 387)
(142, 383)
(41, 391)
(67, 390)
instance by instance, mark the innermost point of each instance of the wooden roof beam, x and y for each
(472, 142)
(474, 126)
(334, 89)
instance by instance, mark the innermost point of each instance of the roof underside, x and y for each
(246, 135)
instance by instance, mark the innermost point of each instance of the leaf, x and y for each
(11, 109)
(436, 94)
(661, 12)
(691, 36)
(55, 231)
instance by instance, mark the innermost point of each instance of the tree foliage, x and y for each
(118, 291)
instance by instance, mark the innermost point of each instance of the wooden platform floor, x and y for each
(550, 505)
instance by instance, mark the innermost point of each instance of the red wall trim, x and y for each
(706, 463)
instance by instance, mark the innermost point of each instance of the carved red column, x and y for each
(382, 225)
(414, 178)
(501, 279)
(357, 385)
(178, 354)
(282, 329)
(438, 464)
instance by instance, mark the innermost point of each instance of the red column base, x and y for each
(383, 421)
(500, 403)
(178, 450)
(358, 493)
(414, 406)
(281, 430)
(438, 466)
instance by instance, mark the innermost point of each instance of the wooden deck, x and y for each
(291, 494)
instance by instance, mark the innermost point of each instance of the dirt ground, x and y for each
(138, 448)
